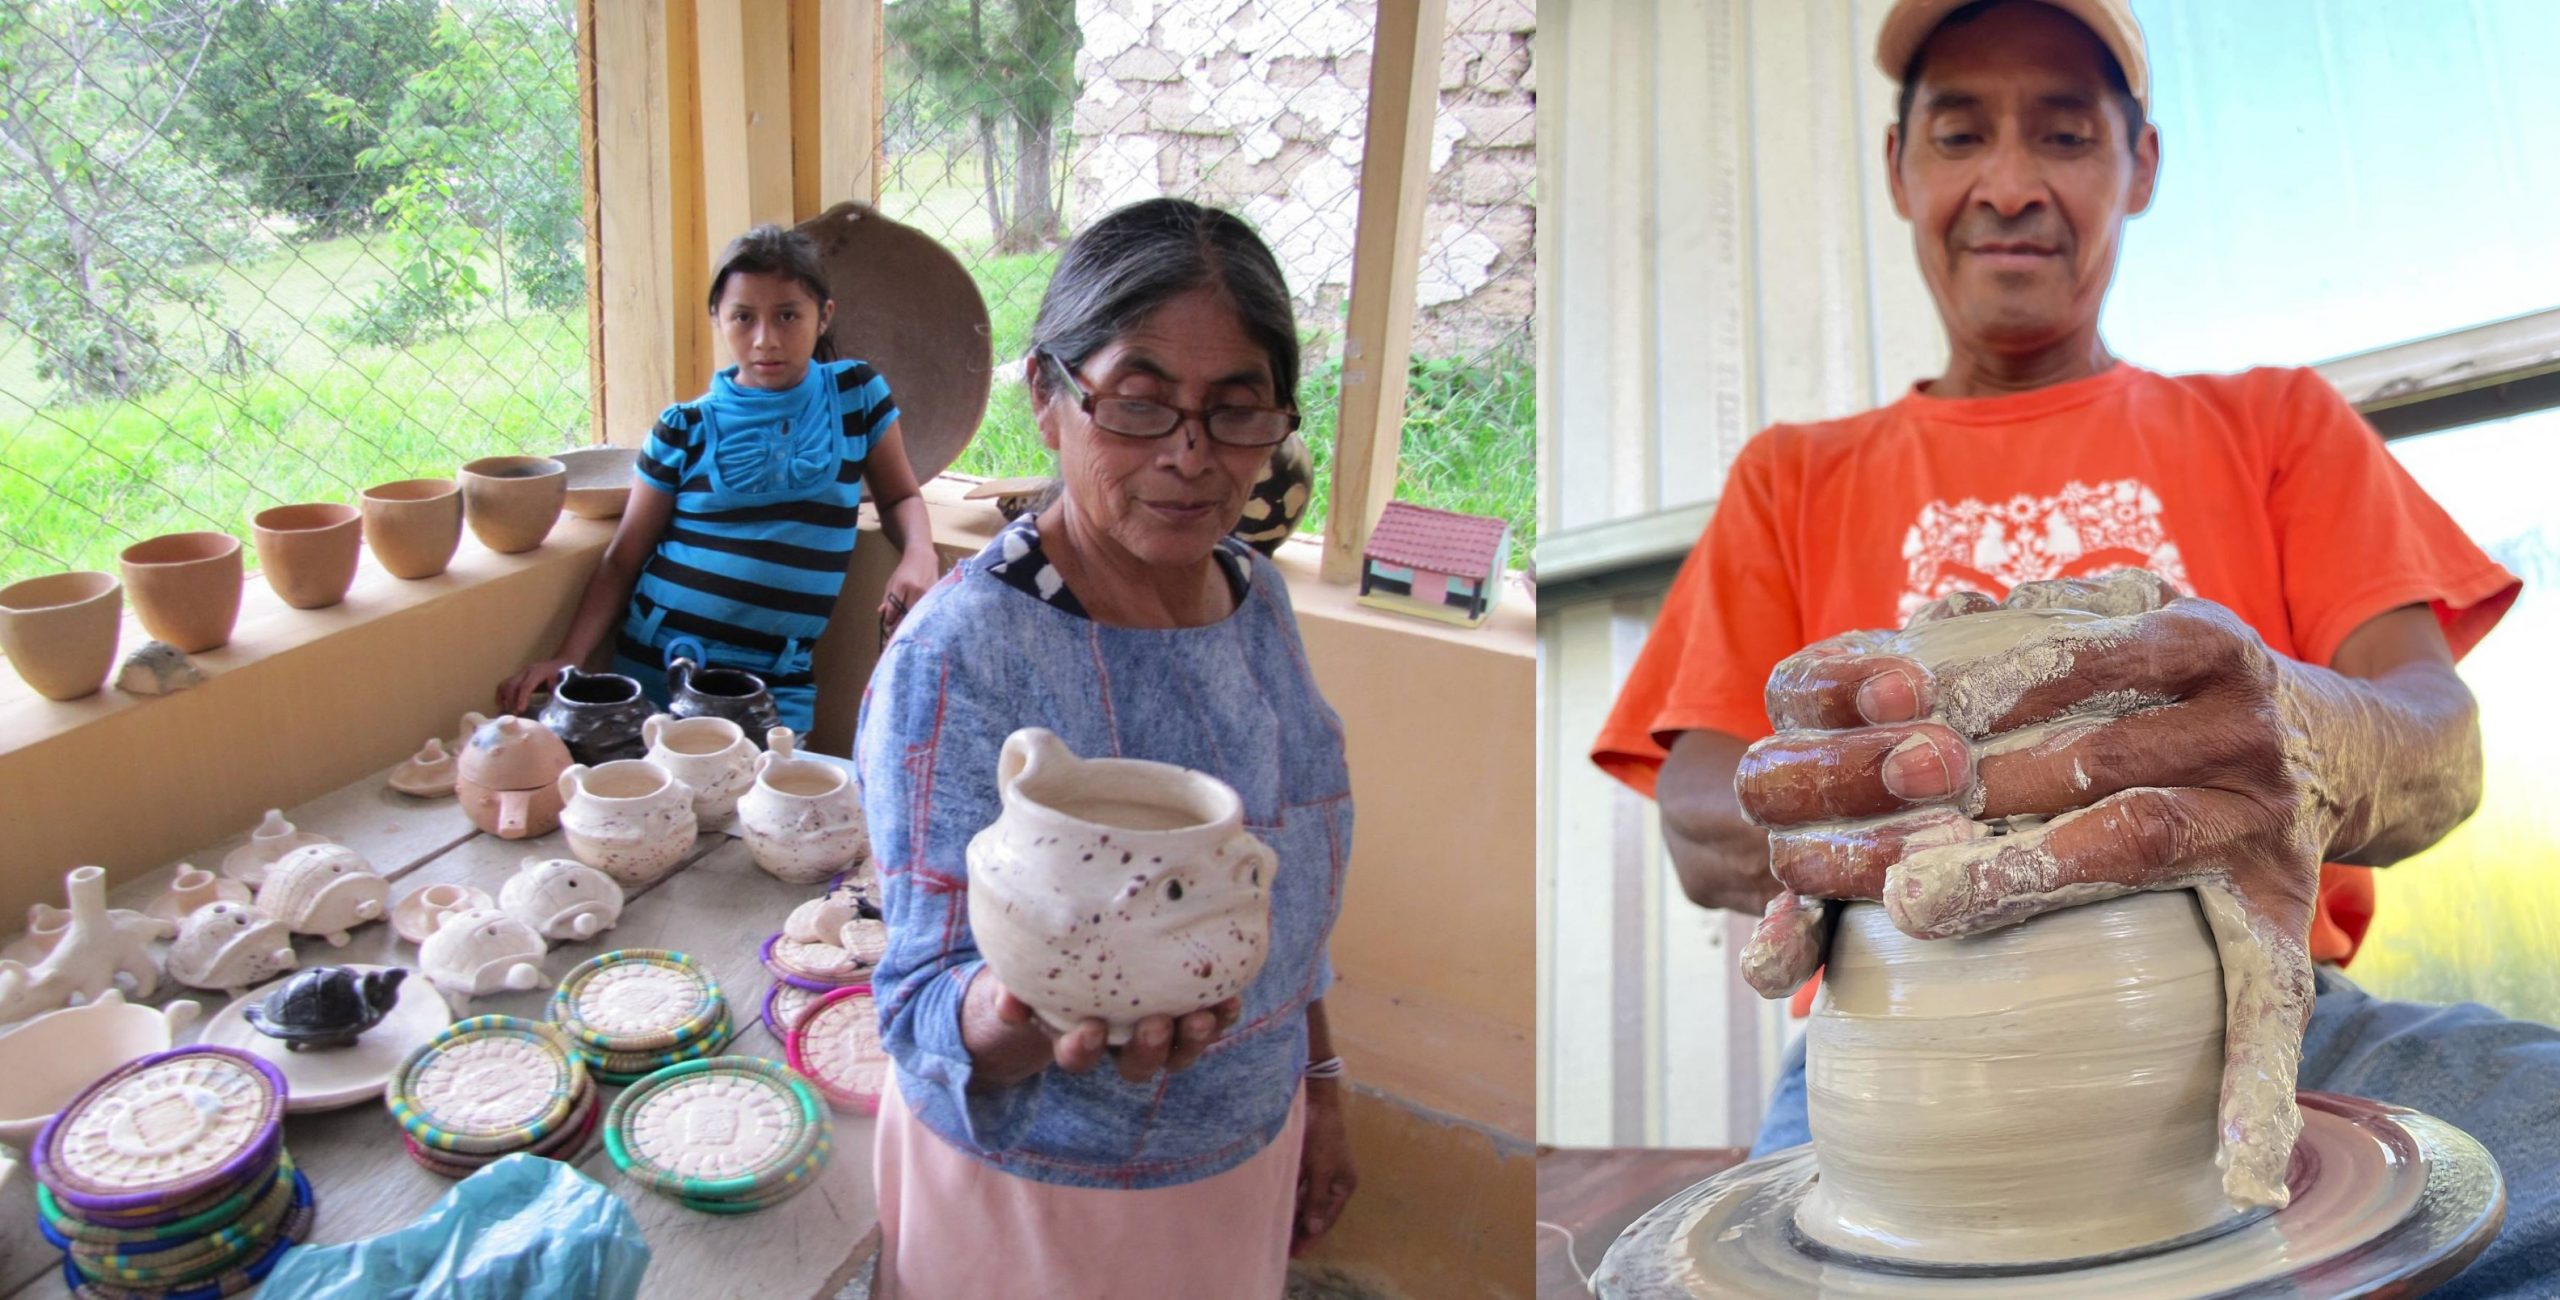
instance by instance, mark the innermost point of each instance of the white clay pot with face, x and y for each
(711, 755)
(627, 819)
(231, 947)
(483, 951)
(1139, 872)
(803, 820)
(564, 900)
(325, 889)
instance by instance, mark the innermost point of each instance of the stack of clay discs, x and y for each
(725, 1135)
(836, 1046)
(635, 1010)
(490, 1087)
(169, 1177)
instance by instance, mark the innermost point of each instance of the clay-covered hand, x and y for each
(1008, 1042)
(515, 695)
(1326, 1177)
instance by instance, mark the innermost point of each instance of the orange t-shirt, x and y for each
(2263, 491)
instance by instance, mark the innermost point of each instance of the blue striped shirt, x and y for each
(768, 487)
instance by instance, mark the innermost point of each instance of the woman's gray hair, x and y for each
(1137, 259)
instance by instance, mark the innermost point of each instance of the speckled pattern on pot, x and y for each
(627, 819)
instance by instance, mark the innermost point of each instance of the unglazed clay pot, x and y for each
(564, 900)
(1157, 853)
(711, 755)
(185, 588)
(512, 501)
(59, 631)
(230, 946)
(2038, 1093)
(99, 947)
(740, 696)
(597, 715)
(308, 552)
(413, 525)
(483, 951)
(803, 820)
(599, 479)
(629, 820)
(508, 778)
(191, 889)
(327, 890)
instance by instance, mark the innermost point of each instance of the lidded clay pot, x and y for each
(629, 820)
(512, 501)
(709, 754)
(185, 588)
(229, 946)
(59, 631)
(308, 552)
(1159, 853)
(508, 778)
(563, 899)
(2033, 1094)
(414, 525)
(325, 889)
(482, 951)
(803, 820)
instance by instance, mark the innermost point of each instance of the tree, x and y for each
(1002, 59)
(102, 217)
(254, 114)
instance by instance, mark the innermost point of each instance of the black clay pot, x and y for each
(598, 716)
(729, 693)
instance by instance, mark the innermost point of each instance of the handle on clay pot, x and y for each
(471, 725)
(780, 743)
(514, 807)
(560, 684)
(679, 676)
(652, 727)
(1026, 752)
(680, 788)
(1253, 853)
(178, 1015)
(569, 781)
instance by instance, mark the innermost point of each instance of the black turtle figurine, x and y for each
(327, 1006)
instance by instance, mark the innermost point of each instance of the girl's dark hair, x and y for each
(771, 250)
(1143, 256)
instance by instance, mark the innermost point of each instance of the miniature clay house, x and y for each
(1435, 563)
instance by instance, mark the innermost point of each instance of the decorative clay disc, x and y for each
(837, 1045)
(812, 963)
(727, 1127)
(488, 1084)
(784, 1004)
(163, 1130)
(637, 1000)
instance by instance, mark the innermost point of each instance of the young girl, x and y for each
(734, 546)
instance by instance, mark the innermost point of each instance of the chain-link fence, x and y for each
(257, 252)
(1011, 123)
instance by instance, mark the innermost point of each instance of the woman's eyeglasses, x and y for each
(1139, 417)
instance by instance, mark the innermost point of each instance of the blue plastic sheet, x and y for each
(524, 1228)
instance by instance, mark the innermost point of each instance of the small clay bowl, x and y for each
(308, 552)
(185, 588)
(413, 525)
(512, 501)
(59, 631)
(599, 480)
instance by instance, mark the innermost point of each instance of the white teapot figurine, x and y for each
(562, 899)
(324, 889)
(1158, 853)
(483, 951)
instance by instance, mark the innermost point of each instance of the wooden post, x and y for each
(590, 204)
(835, 134)
(632, 240)
(745, 59)
(1395, 165)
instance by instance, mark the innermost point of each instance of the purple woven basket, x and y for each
(795, 980)
(235, 1169)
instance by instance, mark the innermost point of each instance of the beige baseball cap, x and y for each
(1908, 24)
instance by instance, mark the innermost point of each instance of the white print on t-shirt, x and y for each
(1988, 546)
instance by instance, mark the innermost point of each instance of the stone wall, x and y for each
(1259, 105)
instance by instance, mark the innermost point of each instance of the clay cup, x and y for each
(185, 588)
(512, 501)
(413, 525)
(308, 552)
(59, 631)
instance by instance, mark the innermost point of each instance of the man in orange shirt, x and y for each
(2278, 692)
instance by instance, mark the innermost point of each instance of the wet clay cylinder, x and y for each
(2039, 1093)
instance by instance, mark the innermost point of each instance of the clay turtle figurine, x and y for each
(327, 1006)
(325, 889)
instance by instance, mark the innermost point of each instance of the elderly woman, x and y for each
(1014, 1160)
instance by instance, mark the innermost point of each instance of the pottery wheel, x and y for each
(2385, 1200)
(326, 1078)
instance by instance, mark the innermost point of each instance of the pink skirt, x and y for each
(955, 1228)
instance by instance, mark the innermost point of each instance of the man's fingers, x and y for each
(2267, 990)
(2116, 593)
(1786, 948)
(1192, 1036)
(1145, 1052)
(2133, 840)
(1079, 1049)
(1955, 604)
(1849, 859)
(1795, 777)
(1828, 687)
(2110, 667)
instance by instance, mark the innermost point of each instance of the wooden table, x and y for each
(1595, 1192)
(718, 908)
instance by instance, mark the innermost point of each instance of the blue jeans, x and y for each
(2494, 1078)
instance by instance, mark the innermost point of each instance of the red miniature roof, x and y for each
(1418, 537)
